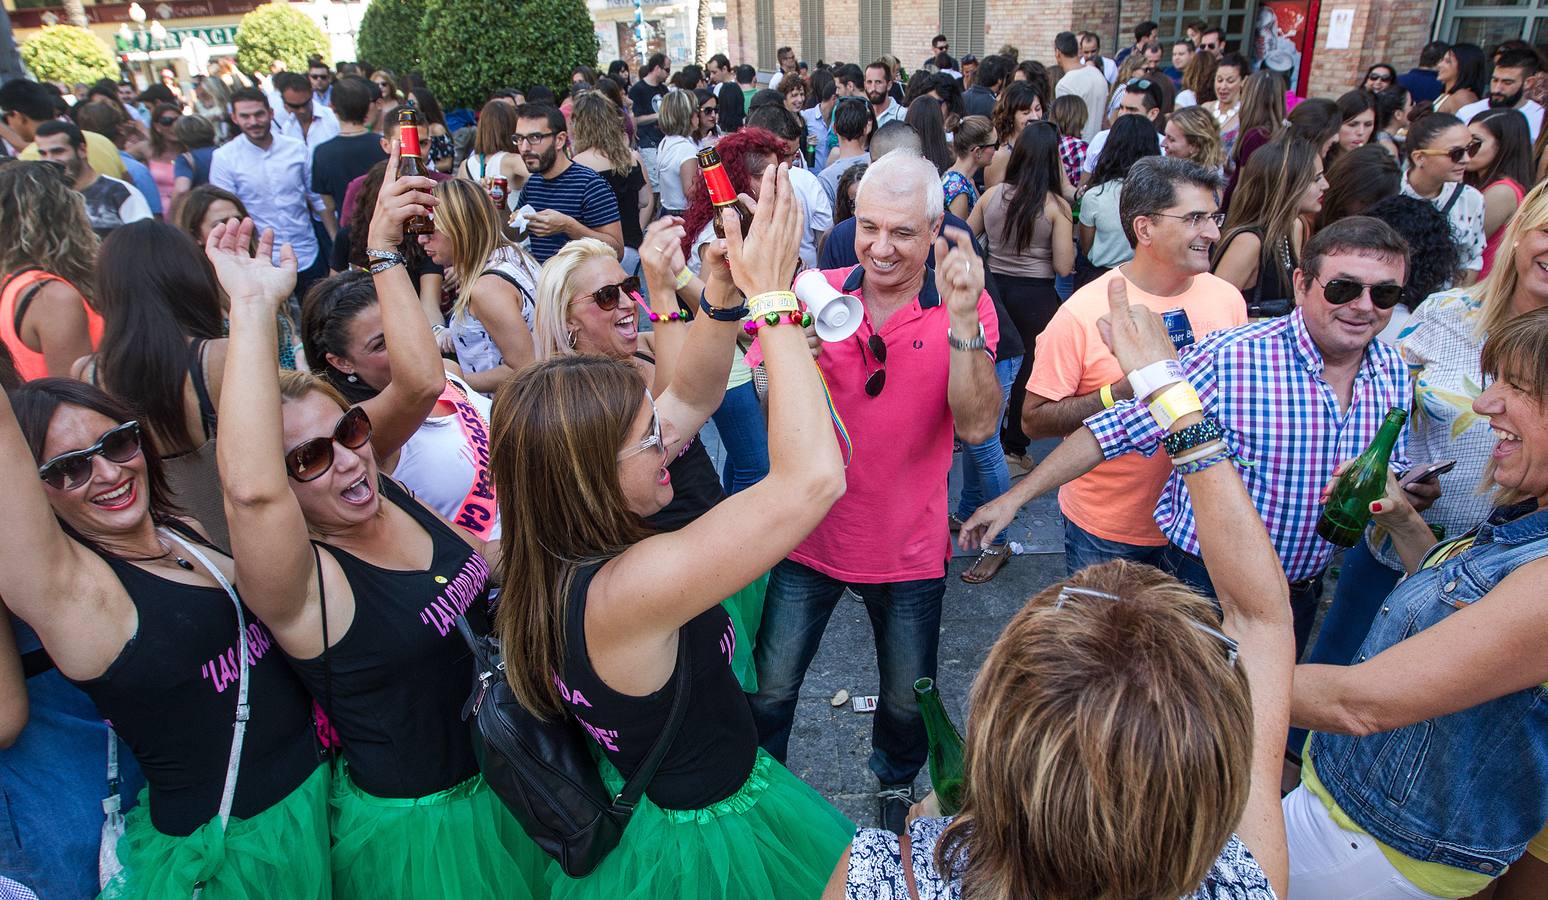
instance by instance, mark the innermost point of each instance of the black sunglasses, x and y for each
(608, 296)
(1343, 290)
(68, 471)
(874, 381)
(168, 121)
(1457, 154)
(312, 458)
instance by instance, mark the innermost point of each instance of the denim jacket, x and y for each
(1469, 789)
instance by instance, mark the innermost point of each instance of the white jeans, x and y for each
(1328, 862)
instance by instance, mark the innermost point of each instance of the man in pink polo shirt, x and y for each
(920, 368)
(1170, 215)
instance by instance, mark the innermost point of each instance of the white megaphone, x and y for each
(836, 314)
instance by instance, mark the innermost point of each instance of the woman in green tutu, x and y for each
(120, 589)
(362, 583)
(594, 604)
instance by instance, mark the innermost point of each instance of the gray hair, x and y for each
(1151, 186)
(907, 173)
(895, 135)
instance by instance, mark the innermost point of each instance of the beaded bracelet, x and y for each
(803, 319)
(1195, 435)
(1202, 464)
(673, 316)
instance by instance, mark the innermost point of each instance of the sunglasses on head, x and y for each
(68, 471)
(1457, 154)
(1070, 593)
(653, 440)
(608, 296)
(874, 380)
(1343, 290)
(310, 459)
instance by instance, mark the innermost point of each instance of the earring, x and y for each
(570, 337)
(352, 379)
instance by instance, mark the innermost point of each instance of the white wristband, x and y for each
(1147, 380)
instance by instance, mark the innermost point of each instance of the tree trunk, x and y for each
(75, 13)
(701, 36)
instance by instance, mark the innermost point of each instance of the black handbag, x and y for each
(544, 771)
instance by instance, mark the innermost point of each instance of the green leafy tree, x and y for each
(471, 47)
(390, 34)
(68, 55)
(278, 31)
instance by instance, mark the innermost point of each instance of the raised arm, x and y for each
(972, 388)
(665, 580)
(13, 684)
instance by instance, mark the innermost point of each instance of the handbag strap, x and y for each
(243, 711)
(1446, 210)
(635, 787)
(327, 661)
(906, 855)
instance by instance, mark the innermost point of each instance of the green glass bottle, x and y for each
(945, 743)
(1348, 509)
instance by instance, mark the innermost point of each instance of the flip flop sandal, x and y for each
(992, 560)
(954, 523)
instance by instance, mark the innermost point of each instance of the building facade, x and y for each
(1331, 41)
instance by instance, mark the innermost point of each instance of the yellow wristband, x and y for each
(1107, 396)
(683, 277)
(776, 302)
(1173, 403)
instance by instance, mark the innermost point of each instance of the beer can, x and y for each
(499, 190)
(1178, 328)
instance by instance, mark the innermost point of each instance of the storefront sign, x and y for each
(119, 12)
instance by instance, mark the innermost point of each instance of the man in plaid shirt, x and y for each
(1294, 396)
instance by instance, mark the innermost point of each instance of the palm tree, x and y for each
(75, 13)
(701, 33)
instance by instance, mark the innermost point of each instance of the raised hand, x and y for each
(661, 251)
(766, 259)
(959, 273)
(250, 277)
(1136, 335)
(399, 200)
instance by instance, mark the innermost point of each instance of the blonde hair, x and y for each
(297, 385)
(471, 224)
(555, 287)
(43, 223)
(595, 124)
(1109, 750)
(1495, 291)
(1201, 130)
(679, 109)
(1516, 352)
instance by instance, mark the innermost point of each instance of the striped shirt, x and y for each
(1263, 384)
(579, 193)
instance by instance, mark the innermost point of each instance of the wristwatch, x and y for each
(974, 343)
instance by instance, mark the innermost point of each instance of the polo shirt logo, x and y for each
(918, 344)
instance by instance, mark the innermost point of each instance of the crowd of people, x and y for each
(291, 424)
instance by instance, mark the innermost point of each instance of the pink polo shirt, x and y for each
(890, 525)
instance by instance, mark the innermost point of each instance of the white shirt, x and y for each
(817, 210)
(325, 125)
(476, 350)
(1466, 215)
(272, 184)
(893, 113)
(1531, 109)
(439, 465)
(670, 156)
(1185, 99)
(1094, 150)
(1109, 69)
(1088, 84)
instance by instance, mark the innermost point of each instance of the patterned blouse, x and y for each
(1072, 152)
(876, 868)
(955, 184)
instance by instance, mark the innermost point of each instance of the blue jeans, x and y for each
(1082, 549)
(1305, 595)
(906, 620)
(745, 437)
(985, 475)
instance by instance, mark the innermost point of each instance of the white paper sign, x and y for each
(1340, 26)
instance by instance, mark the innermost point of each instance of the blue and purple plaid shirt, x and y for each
(1263, 383)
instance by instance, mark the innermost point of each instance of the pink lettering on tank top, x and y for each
(223, 670)
(728, 641)
(457, 596)
(477, 511)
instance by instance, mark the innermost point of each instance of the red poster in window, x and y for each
(1282, 37)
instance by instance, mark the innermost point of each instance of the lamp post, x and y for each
(137, 15)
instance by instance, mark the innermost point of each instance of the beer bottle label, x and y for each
(721, 192)
(410, 138)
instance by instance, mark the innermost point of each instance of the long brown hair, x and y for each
(496, 128)
(1109, 750)
(1262, 108)
(43, 223)
(557, 430)
(467, 218)
(1268, 196)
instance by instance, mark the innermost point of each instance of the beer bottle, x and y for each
(721, 193)
(1364, 481)
(411, 161)
(945, 746)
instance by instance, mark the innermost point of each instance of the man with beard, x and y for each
(272, 174)
(571, 201)
(109, 202)
(1507, 89)
(878, 90)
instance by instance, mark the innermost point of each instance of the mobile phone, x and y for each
(1426, 472)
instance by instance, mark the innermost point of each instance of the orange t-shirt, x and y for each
(1116, 501)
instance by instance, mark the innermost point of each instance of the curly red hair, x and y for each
(734, 150)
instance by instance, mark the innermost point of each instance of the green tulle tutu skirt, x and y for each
(745, 607)
(281, 852)
(457, 844)
(774, 838)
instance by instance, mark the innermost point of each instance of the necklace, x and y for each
(165, 552)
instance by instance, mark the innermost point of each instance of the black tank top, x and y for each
(401, 673)
(171, 695)
(695, 485)
(715, 750)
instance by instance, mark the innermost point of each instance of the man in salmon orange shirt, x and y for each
(1171, 217)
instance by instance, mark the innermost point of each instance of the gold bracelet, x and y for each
(1107, 396)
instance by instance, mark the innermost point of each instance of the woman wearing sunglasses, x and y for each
(113, 580)
(598, 602)
(1439, 147)
(1424, 775)
(491, 319)
(362, 583)
(1378, 78)
(1114, 747)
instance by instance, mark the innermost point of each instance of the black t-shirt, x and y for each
(627, 189)
(338, 161)
(646, 100)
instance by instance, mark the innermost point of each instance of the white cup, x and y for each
(836, 313)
